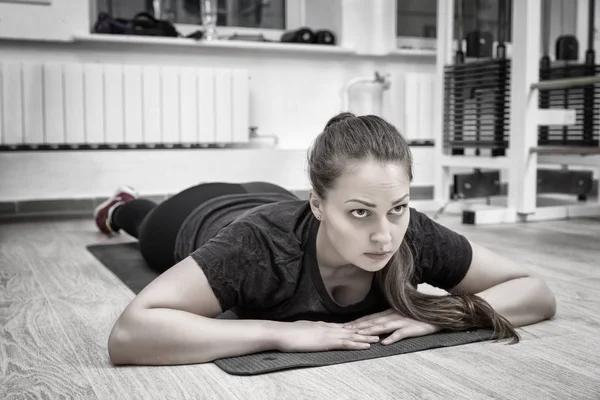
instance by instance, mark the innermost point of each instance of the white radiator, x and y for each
(111, 104)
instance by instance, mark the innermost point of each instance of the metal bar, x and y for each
(591, 21)
(566, 83)
(474, 162)
(565, 150)
(444, 57)
(569, 159)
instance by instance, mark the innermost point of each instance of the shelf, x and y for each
(414, 52)
(216, 44)
(242, 45)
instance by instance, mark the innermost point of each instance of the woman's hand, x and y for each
(308, 336)
(390, 321)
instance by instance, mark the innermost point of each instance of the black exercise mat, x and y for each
(126, 262)
(260, 363)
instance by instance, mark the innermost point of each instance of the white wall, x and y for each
(78, 174)
(55, 21)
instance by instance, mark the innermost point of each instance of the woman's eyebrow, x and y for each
(366, 203)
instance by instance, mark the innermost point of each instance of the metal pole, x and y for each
(565, 150)
(526, 25)
(444, 56)
(566, 83)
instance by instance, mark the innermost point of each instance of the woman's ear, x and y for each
(316, 204)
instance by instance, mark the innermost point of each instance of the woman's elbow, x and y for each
(547, 298)
(117, 345)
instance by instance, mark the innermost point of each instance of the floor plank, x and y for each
(18, 284)
(532, 369)
(89, 323)
(36, 358)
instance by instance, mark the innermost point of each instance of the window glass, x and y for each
(265, 14)
(417, 18)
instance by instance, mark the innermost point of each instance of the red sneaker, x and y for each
(104, 211)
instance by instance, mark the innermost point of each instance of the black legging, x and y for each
(156, 226)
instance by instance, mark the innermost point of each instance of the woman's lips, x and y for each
(378, 255)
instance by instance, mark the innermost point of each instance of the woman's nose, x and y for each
(382, 235)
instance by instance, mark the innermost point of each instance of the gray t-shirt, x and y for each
(258, 253)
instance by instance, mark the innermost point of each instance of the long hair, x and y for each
(348, 138)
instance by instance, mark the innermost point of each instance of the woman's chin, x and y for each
(373, 263)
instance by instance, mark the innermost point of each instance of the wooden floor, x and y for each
(58, 304)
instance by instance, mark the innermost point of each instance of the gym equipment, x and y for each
(566, 47)
(300, 35)
(477, 105)
(307, 36)
(562, 150)
(125, 261)
(325, 36)
(566, 83)
(573, 106)
(476, 92)
(577, 90)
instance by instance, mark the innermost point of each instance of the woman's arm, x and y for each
(172, 322)
(174, 337)
(509, 288)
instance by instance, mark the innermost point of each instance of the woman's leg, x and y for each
(103, 213)
(130, 215)
(157, 226)
(158, 231)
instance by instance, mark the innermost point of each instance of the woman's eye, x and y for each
(399, 209)
(359, 213)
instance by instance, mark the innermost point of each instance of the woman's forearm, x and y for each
(161, 336)
(521, 301)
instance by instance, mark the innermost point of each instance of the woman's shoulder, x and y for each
(282, 214)
(282, 225)
(419, 221)
(426, 234)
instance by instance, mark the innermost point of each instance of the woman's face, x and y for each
(364, 216)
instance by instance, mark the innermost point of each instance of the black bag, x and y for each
(141, 24)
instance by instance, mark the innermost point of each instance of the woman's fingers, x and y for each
(355, 341)
(384, 327)
(409, 331)
(364, 338)
(352, 345)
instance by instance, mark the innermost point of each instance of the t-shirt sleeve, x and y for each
(242, 268)
(443, 256)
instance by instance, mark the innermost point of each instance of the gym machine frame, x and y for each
(523, 154)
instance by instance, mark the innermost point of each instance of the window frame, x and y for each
(418, 42)
(294, 16)
(295, 11)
